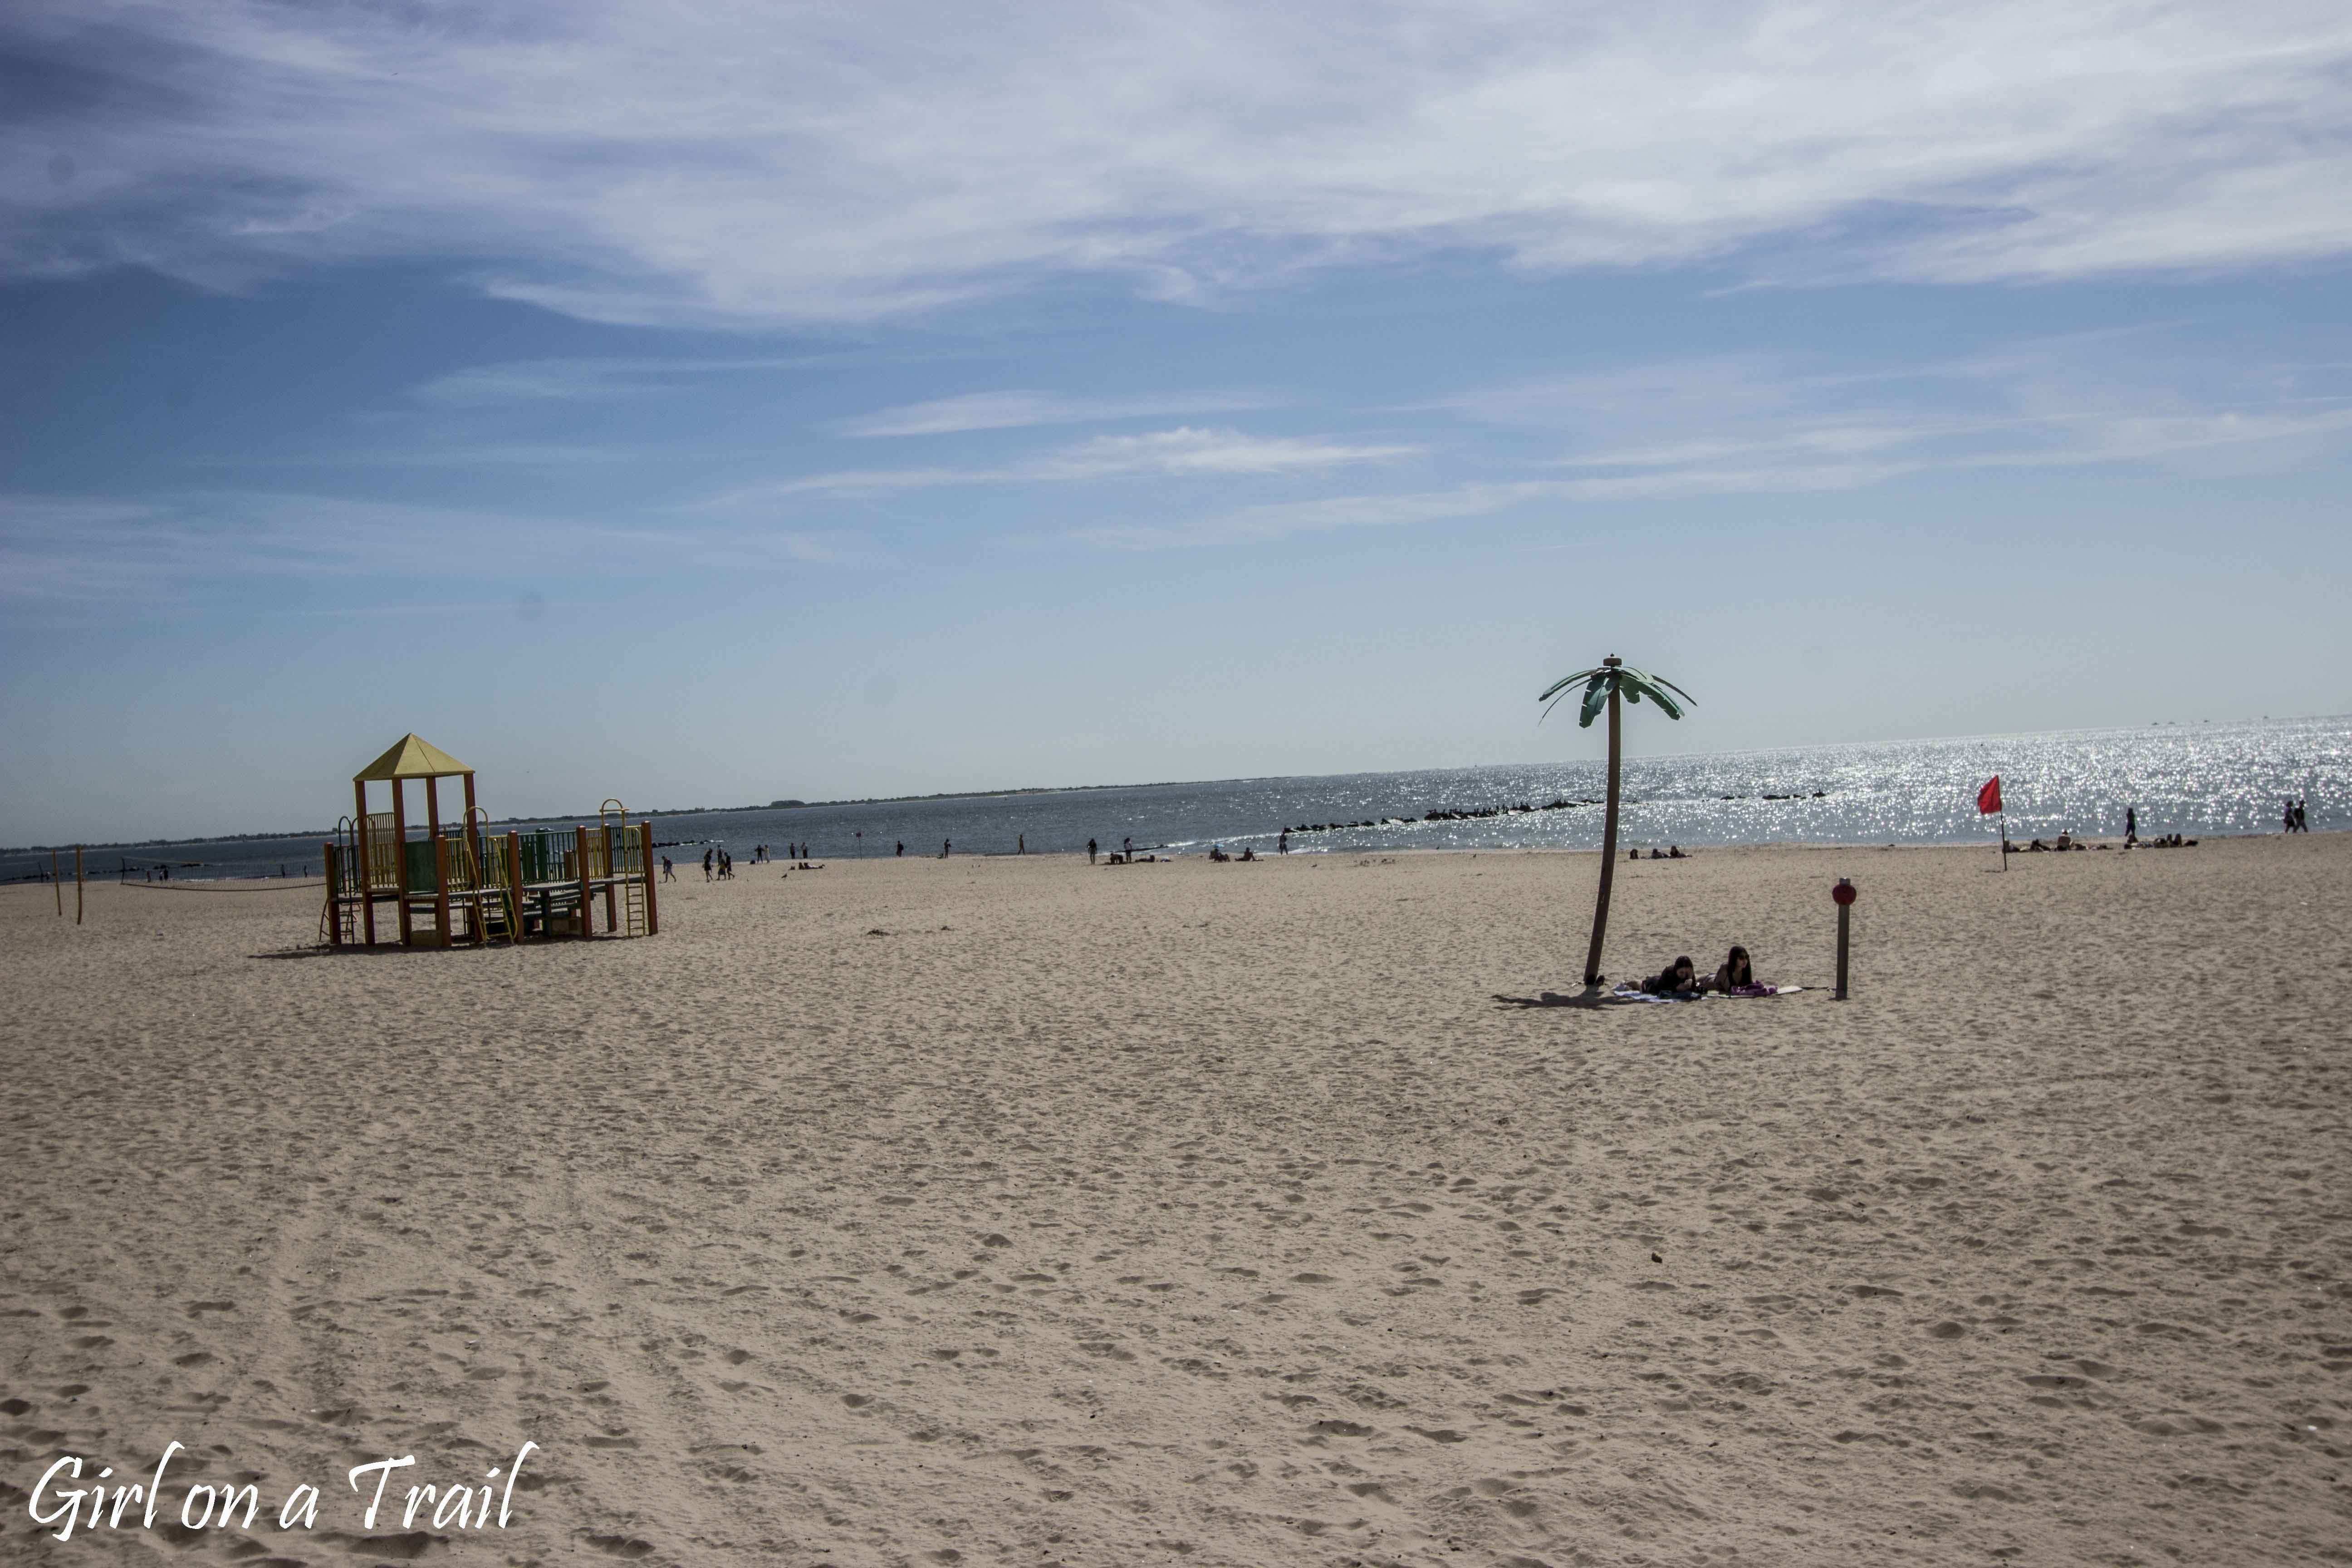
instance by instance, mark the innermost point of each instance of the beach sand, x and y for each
(1014, 1211)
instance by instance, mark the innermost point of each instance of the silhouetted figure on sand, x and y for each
(1679, 978)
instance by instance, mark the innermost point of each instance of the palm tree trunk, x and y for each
(1608, 857)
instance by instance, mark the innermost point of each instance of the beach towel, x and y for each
(1635, 993)
(1761, 990)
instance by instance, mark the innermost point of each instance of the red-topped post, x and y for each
(1843, 894)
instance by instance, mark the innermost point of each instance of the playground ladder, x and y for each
(632, 907)
(340, 916)
(625, 854)
(494, 878)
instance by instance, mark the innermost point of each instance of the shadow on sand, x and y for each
(1589, 999)
(356, 950)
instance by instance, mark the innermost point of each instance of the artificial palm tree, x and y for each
(1613, 680)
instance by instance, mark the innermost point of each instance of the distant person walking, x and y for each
(2302, 818)
(669, 872)
(1282, 845)
(2289, 814)
(1126, 847)
(1021, 844)
(2131, 824)
(902, 850)
(1090, 851)
(946, 844)
(709, 856)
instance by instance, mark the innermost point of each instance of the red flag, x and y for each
(1988, 797)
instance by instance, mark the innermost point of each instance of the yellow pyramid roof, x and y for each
(411, 758)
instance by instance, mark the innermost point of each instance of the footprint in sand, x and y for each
(411, 1544)
(622, 1545)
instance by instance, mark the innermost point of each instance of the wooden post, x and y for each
(367, 879)
(645, 857)
(473, 834)
(77, 884)
(440, 865)
(334, 909)
(441, 883)
(58, 883)
(616, 860)
(514, 887)
(400, 858)
(1845, 895)
(1608, 846)
(580, 863)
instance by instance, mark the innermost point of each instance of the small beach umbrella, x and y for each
(1603, 686)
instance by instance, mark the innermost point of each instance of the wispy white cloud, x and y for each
(459, 454)
(744, 165)
(1755, 423)
(588, 379)
(1016, 410)
(1179, 453)
(268, 550)
(1750, 425)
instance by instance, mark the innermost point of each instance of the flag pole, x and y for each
(2003, 815)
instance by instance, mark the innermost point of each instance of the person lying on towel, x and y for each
(1679, 978)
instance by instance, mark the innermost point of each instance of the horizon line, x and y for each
(1181, 783)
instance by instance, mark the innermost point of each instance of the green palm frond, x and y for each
(1630, 684)
(1637, 686)
(1595, 689)
(1568, 680)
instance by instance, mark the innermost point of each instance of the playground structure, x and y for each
(460, 882)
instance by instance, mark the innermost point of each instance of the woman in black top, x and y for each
(1678, 979)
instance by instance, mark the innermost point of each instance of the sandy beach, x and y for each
(1015, 1211)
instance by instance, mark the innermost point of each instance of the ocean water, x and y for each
(2200, 780)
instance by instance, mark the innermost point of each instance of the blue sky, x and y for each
(721, 402)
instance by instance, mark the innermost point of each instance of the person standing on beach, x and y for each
(2131, 824)
(1282, 845)
(1021, 844)
(669, 872)
(708, 857)
(902, 850)
(1126, 847)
